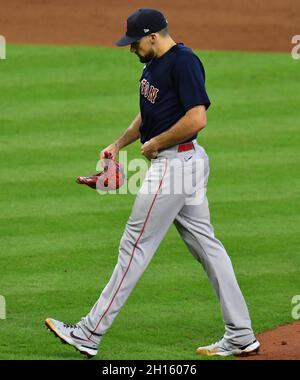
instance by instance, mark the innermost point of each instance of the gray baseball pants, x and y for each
(156, 207)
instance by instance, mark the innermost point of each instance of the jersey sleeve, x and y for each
(189, 79)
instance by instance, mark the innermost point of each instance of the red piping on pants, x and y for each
(133, 250)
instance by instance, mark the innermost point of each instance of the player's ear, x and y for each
(153, 38)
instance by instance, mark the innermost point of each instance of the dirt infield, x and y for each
(266, 25)
(258, 25)
(282, 343)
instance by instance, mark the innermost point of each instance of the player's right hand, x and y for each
(111, 151)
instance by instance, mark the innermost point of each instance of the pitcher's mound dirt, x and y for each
(281, 343)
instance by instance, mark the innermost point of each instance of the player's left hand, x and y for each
(150, 149)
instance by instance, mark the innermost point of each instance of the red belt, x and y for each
(186, 146)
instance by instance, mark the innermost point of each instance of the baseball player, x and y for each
(173, 104)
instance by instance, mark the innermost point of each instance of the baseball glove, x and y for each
(111, 178)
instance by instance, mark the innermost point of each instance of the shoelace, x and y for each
(69, 326)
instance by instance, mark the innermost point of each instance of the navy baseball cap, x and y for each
(142, 23)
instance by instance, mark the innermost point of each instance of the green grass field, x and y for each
(58, 107)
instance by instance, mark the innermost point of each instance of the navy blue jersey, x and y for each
(169, 87)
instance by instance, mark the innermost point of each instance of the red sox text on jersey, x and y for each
(149, 92)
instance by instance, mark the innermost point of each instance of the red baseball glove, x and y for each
(111, 178)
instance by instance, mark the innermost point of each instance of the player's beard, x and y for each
(150, 55)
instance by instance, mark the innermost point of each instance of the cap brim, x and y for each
(126, 40)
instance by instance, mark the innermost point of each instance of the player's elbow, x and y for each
(197, 124)
(197, 119)
(201, 124)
